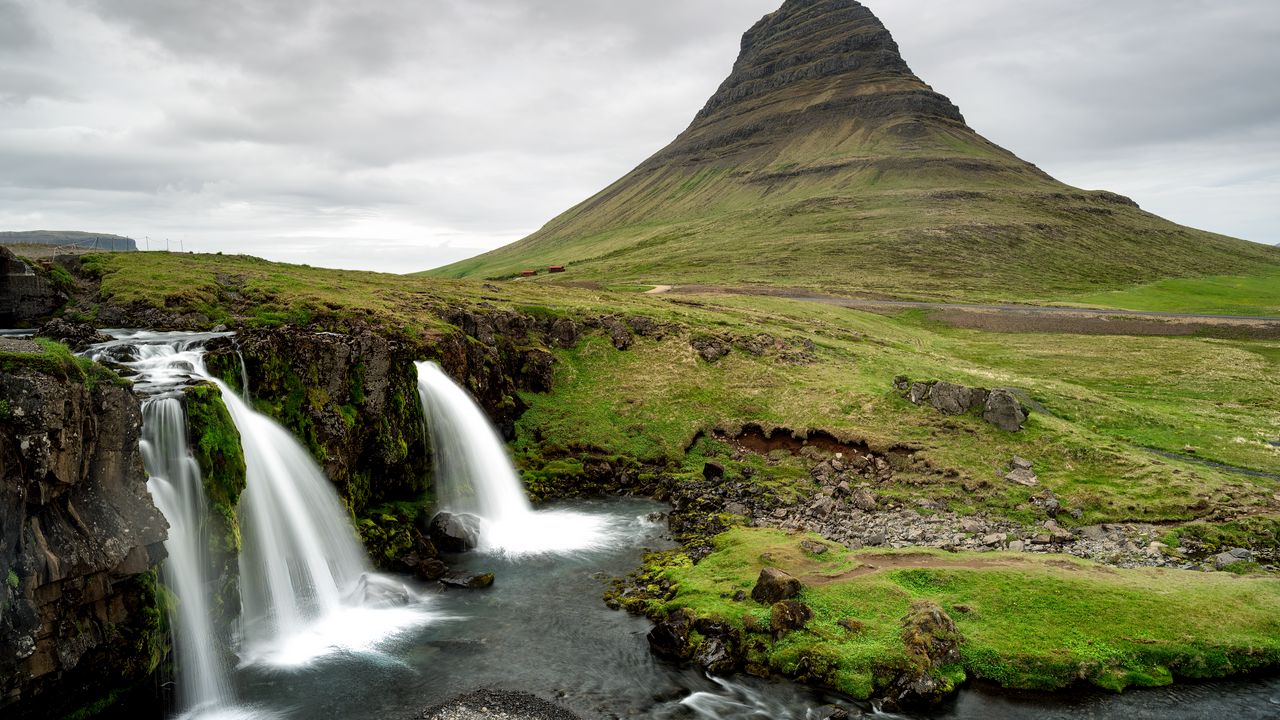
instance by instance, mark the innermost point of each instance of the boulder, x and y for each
(468, 582)
(670, 637)
(76, 336)
(454, 532)
(1005, 411)
(863, 499)
(1023, 477)
(715, 656)
(950, 399)
(774, 586)
(813, 548)
(789, 615)
(564, 332)
(919, 392)
(931, 641)
(1020, 463)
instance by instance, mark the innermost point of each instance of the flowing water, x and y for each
(324, 638)
(306, 588)
(473, 475)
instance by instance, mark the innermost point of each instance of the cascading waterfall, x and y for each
(306, 589)
(474, 475)
(178, 491)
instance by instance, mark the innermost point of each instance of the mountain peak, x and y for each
(822, 161)
(808, 63)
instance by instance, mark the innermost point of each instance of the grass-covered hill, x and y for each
(69, 239)
(823, 161)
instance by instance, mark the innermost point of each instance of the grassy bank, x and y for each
(1028, 622)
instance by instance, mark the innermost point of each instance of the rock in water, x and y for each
(670, 637)
(774, 586)
(468, 582)
(454, 532)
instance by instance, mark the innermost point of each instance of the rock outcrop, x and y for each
(1000, 407)
(81, 619)
(26, 293)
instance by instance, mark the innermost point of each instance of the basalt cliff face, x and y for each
(81, 619)
(824, 161)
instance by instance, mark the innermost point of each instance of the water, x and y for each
(177, 488)
(306, 589)
(474, 475)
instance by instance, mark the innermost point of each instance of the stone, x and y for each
(77, 336)
(737, 508)
(715, 656)
(1052, 507)
(863, 499)
(468, 582)
(565, 332)
(670, 637)
(919, 392)
(830, 712)
(1017, 546)
(788, 615)
(1021, 463)
(902, 384)
(1023, 477)
(994, 539)
(454, 532)
(950, 399)
(823, 507)
(1005, 411)
(813, 548)
(931, 641)
(773, 586)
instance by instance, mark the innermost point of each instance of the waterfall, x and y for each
(474, 475)
(178, 491)
(300, 554)
(306, 589)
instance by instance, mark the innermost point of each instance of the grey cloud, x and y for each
(420, 129)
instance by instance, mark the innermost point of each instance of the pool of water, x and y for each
(542, 628)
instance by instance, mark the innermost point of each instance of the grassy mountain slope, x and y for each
(822, 161)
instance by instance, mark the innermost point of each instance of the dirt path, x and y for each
(659, 290)
(1030, 318)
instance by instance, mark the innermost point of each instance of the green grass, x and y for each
(54, 358)
(1033, 622)
(1257, 295)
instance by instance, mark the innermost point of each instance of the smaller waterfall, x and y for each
(178, 491)
(474, 475)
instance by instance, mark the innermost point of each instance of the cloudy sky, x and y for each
(401, 134)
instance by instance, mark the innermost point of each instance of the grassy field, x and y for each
(1027, 622)
(1257, 295)
(1110, 400)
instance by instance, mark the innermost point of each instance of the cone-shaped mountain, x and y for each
(823, 161)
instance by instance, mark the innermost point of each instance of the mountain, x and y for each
(823, 161)
(73, 238)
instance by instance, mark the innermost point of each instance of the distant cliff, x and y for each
(70, 238)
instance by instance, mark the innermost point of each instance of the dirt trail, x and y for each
(1029, 318)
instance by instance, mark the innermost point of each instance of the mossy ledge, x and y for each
(215, 444)
(1025, 622)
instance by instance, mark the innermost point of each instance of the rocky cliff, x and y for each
(81, 617)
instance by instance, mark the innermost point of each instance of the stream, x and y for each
(543, 629)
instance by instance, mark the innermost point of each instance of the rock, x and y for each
(1021, 463)
(1241, 554)
(564, 332)
(737, 508)
(950, 399)
(823, 507)
(1005, 411)
(931, 641)
(468, 582)
(813, 548)
(774, 586)
(1229, 557)
(1052, 507)
(994, 539)
(830, 712)
(789, 615)
(1023, 477)
(1017, 546)
(454, 533)
(431, 569)
(902, 384)
(712, 470)
(25, 292)
(76, 336)
(710, 347)
(670, 637)
(619, 335)
(919, 392)
(863, 499)
(876, 539)
(79, 537)
(715, 656)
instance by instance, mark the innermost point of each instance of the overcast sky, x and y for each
(401, 134)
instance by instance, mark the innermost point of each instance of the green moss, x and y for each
(57, 360)
(62, 280)
(1032, 623)
(12, 580)
(391, 531)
